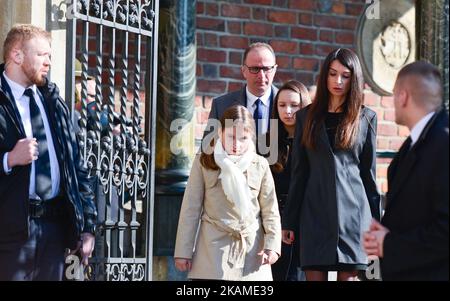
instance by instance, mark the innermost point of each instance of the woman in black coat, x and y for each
(291, 97)
(333, 193)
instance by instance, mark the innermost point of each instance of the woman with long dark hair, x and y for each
(333, 193)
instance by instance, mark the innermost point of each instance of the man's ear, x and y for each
(404, 98)
(17, 56)
(243, 71)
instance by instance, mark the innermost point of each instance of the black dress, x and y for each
(331, 123)
(286, 266)
(283, 178)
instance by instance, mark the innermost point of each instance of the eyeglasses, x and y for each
(256, 70)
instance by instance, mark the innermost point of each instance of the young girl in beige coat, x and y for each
(231, 193)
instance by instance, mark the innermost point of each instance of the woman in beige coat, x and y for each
(231, 193)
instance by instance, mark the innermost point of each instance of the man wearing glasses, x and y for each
(258, 68)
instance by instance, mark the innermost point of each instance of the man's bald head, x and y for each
(423, 82)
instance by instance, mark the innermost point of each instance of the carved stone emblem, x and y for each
(386, 42)
(395, 44)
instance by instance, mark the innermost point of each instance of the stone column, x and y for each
(20, 11)
(434, 47)
(175, 142)
(39, 13)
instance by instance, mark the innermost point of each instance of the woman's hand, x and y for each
(268, 256)
(287, 236)
(183, 264)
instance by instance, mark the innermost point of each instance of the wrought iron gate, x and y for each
(116, 43)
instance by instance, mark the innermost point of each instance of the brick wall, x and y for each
(302, 33)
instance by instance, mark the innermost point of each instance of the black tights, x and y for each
(323, 276)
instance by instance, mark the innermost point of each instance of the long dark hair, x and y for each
(236, 113)
(283, 144)
(348, 128)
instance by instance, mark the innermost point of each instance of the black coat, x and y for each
(14, 187)
(417, 208)
(333, 195)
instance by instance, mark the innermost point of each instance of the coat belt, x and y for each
(239, 233)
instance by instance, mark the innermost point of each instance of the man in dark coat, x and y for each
(46, 204)
(412, 239)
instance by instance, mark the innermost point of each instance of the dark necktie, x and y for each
(405, 149)
(43, 179)
(402, 153)
(257, 115)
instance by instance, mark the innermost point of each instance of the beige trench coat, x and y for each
(204, 202)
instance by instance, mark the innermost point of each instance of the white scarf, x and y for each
(234, 183)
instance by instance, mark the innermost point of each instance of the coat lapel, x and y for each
(10, 106)
(49, 106)
(400, 175)
(402, 165)
(243, 97)
(55, 119)
(271, 102)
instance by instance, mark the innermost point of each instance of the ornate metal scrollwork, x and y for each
(138, 14)
(109, 9)
(122, 11)
(118, 160)
(95, 8)
(82, 6)
(134, 11)
(147, 16)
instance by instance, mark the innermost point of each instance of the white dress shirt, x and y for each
(265, 108)
(23, 105)
(419, 126)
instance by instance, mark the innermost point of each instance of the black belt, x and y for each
(47, 209)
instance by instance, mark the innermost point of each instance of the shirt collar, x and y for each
(265, 99)
(419, 126)
(17, 89)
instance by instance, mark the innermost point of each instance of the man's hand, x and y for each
(268, 256)
(373, 240)
(287, 236)
(85, 246)
(24, 152)
(183, 264)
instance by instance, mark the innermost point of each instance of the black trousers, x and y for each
(40, 258)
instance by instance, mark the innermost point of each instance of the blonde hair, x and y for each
(20, 34)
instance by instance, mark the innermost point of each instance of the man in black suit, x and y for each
(412, 239)
(258, 68)
(46, 204)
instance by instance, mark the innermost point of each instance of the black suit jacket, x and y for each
(14, 187)
(222, 103)
(417, 208)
